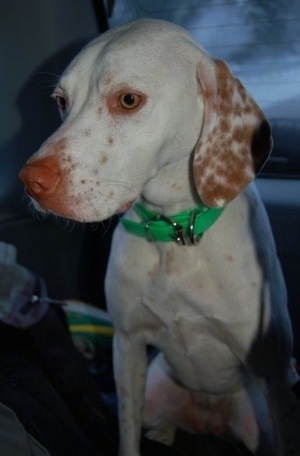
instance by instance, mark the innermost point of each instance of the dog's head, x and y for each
(134, 102)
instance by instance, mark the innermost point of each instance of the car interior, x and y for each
(259, 39)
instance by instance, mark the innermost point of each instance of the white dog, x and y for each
(149, 117)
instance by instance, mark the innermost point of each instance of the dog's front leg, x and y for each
(130, 366)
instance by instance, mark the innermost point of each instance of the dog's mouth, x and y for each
(125, 207)
(53, 208)
(72, 212)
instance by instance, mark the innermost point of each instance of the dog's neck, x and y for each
(171, 190)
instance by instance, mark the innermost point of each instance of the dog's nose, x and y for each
(40, 177)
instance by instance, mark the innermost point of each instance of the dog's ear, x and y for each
(235, 140)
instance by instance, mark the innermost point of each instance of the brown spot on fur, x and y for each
(225, 125)
(169, 260)
(153, 269)
(172, 268)
(110, 140)
(238, 134)
(176, 186)
(104, 159)
(107, 80)
(64, 158)
(207, 92)
(87, 133)
(238, 110)
(58, 146)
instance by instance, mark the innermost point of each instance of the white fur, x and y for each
(216, 311)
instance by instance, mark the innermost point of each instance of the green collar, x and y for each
(185, 228)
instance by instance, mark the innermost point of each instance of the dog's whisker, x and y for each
(48, 86)
(50, 82)
(49, 73)
(71, 224)
(125, 185)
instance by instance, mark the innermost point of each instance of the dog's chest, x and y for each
(164, 283)
(157, 277)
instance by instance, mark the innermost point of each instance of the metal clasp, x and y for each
(194, 238)
(148, 233)
(179, 235)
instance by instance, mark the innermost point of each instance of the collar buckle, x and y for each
(193, 237)
(180, 237)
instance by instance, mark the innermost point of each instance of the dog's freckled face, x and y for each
(53, 174)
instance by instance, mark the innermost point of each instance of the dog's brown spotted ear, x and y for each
(235, 140)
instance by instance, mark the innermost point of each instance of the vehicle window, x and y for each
(260, 39)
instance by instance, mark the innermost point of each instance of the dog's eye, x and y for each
(129, 100)
(61, 102)
(60, 99)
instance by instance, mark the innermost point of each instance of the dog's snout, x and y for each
(40, 177)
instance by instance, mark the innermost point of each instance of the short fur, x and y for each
(188, 134)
